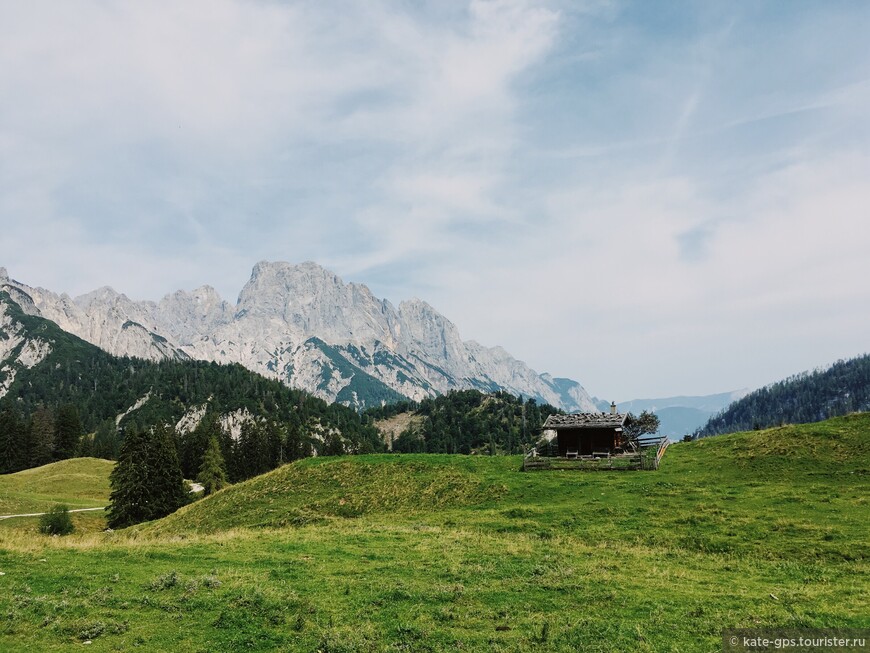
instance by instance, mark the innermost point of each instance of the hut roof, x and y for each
(585, 421)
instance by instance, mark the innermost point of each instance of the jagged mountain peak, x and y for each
(188, 314)
(4, 275)
(288, 282)
(294, 273)
(301, 323)
(204, 295)
(421, 310)
(315, 302)
(103, 294)
(416, 303)
(205, 292)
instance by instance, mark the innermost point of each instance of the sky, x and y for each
(650, 197)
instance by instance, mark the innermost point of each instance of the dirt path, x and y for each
(39, 514)
(194, 487)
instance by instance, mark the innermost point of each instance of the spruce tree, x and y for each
(146, 482)
(212, 473)
(106, 441)
(42, 437)
(170, 489)
(129, 482)
(67, 432)
(13, 443)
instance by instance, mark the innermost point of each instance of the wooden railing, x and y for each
(643, 459)
(661, 452)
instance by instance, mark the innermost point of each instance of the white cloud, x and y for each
(596, 191)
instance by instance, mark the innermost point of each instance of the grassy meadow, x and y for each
(447, 553)
(79, 483)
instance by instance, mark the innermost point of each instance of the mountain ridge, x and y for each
(302, 324)
(44, 368)
(811, 396)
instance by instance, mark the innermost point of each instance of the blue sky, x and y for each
(650, 197)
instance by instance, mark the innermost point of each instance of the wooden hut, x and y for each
(588, 434)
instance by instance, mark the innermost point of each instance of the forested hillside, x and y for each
(809, 397)
(469, 421)
(78, 400)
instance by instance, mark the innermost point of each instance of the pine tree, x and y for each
(129, 482)
(67, 432)
(106, 441)
(192, 445)
(146, 482)
(212, 473)
(13, 443)
(42, 437)
(170, 490)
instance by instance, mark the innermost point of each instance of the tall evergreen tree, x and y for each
(106, 441)
(192, 445)
(67, 432)
(13, 441)
(146, 482)
(170, 491)
(212, 473)
(129, 482)
(42, 437)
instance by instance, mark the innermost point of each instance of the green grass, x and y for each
(79, 483)
(445, 553)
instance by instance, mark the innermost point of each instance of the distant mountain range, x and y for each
(304, 326)
(683, 415)
(679, 416)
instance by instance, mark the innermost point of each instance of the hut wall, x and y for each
(586, 441)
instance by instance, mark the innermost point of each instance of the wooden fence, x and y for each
(647, 458)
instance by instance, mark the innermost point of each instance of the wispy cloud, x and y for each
(582, 182)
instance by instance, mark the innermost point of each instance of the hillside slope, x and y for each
(842, 388)
(734, 491)
(318, 489)
(439, 553)
(77, 482)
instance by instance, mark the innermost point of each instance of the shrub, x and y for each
(57, 521)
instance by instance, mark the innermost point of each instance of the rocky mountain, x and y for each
(303, 325)
(44, 367)
(19, 350)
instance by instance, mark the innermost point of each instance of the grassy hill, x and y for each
(317, 490)
(443, 553)
(788, 477)
(78, 482)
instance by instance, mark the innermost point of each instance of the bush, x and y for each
(56, 522)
